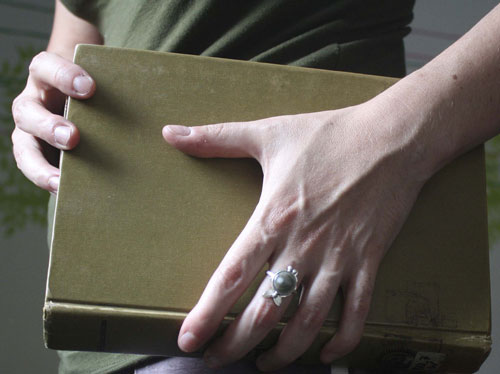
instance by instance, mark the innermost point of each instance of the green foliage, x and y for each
(21, 202)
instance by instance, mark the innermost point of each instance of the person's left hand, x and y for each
(337, 187)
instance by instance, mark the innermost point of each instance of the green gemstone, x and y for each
(284, 282)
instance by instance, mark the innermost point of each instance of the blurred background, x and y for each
(24, 30)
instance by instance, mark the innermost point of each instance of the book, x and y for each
(140, 227)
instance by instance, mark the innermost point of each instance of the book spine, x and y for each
(69, 326)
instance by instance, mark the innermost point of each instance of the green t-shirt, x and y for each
(364, 36)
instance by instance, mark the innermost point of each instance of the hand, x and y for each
(337, 188)
(37, 110)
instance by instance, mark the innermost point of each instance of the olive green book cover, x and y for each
(140, 227)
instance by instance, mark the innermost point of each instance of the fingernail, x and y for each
(179, 130)
(82, 84)
(211, 361)
(188, 342)
(62, 134)
(54, 183)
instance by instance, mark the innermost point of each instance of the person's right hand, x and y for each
(37, 115)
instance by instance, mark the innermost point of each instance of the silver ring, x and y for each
(284, 283)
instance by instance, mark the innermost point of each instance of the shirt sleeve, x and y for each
(85, 9)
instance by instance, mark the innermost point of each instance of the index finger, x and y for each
(48, 70)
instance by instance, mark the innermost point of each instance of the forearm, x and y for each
(68, 31)
(451, 104)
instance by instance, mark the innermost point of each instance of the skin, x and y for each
(37, 110)
(338, 185)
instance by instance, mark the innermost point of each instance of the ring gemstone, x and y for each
(285, 283)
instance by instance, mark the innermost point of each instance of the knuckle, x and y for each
(63, 75)
(17, 150)
(231, 277)
(279, 218)
(17, 109)
(40, 179)
(50, 122)
(45, 129)
(360, 308)
(312, 318)
(18, 154)
(332, 276)
(13, 138)
(265, 317)
(339, 260)
(37, 175)
(36, 61)
(207, 136)
(215, 131)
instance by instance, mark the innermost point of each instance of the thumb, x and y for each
(236, 139)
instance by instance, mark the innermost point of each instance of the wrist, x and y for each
(409, 122)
